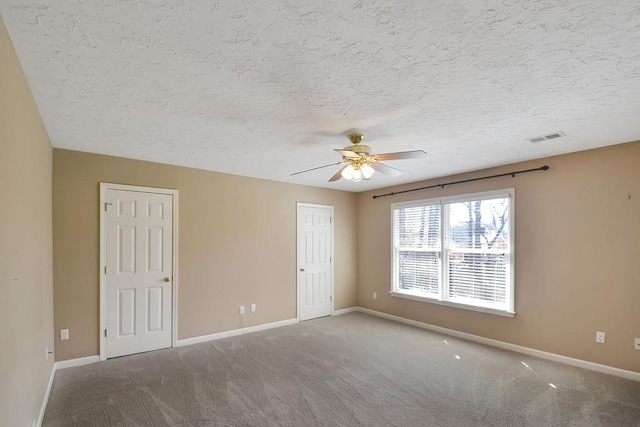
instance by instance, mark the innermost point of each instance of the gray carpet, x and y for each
(350, 370)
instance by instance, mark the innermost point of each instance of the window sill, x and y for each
(453, 304)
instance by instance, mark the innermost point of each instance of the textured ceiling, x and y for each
(267, 88)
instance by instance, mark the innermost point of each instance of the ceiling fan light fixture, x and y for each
(357, 175)
(367, 171)
(347, 173)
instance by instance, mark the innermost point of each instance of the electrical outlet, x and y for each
(375, 295)
(600, 337)
(253, 308)
(637, 344)
(242, 309)
(64, 334)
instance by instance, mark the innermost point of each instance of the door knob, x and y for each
(166, 279)
(302, 269)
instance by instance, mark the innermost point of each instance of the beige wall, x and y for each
(237, 245)
(576, 228)
(577, 234)
(26, 304)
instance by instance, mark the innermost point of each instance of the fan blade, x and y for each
(385, 169)
(319, 167)
(338, 174)
(346, 153)
(416, 154)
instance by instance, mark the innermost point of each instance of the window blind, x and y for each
(478, 251)
(456, 249)
(418, 247)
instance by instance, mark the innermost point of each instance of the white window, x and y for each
(456, 251)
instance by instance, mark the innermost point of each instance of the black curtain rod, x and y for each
(512, 174)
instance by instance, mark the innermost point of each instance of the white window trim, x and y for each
(510, 193)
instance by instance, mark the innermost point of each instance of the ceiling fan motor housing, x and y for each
(362, 150)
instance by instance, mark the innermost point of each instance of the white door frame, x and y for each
(312, 205)
(103, 259)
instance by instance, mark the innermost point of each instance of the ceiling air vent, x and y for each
(546, 137)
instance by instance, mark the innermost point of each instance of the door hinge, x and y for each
(331, 298)
(105, 269)
(330, 220)
(105, 333)
(106, 204)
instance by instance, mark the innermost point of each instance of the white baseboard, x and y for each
(76, 362)
(271, 325)
(43, 408)
(61, 365)
(188, 341)
(234, 332)
(344, 311)
(630, 375)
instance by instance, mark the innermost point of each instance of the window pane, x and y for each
(456, 249)
(480, 224)
(478, 276)
(419, 271)
(478, 252)
(417, 227)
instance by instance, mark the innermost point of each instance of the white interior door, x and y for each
(139, 276)
(315, 248)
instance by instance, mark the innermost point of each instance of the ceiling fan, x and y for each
(358, 163)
